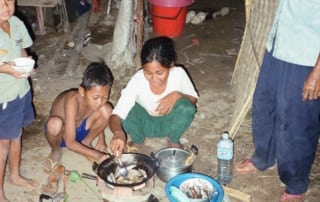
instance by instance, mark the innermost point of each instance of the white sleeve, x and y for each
(127, 98)
(186, 85)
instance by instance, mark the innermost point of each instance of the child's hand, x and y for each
(24, 75)
(20, 75)
(8, 69)
(103, 157)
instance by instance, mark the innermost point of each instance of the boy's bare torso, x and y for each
(70, 99)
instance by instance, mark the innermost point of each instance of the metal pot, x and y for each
(141, 161)
(174, 161)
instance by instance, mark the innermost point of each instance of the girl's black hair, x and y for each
(160, 49)
(96, 74)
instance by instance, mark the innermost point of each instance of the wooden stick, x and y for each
(236, 194)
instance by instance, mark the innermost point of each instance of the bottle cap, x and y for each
(225, 135)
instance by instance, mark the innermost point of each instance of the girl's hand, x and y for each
(118, 142)
(102, 158)
(166, 103)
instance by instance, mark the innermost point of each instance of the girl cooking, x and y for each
(158, 101)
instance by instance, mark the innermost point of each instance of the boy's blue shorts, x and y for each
(81, 133)
(16, 115)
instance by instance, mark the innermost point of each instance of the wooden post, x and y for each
(139, 31)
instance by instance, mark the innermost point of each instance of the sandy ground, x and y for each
(210, 64)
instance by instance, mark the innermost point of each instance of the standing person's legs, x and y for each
(299, 130)
(25, 116)
(14, 164)
(264, 117)
(4, 150)
(15, 116)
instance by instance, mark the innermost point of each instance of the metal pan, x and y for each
(141, 161)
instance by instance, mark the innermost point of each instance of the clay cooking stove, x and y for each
(140, 193)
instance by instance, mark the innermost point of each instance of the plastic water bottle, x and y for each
(225, 159)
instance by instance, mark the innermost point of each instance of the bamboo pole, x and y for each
(248, 7)
(247, 14)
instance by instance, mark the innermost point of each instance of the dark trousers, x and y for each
(285, 128)
(139, 124)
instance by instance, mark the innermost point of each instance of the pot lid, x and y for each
(174, 157)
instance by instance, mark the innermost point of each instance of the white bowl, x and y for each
(23, 64)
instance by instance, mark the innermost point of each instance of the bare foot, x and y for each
(176, 145)
(52, 161)
(3, 197)
(4, 200)
(133, 147)
(245, 167)
(31, 184)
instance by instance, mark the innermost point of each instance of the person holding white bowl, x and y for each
(16, 109)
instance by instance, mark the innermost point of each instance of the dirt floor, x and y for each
(210, 64)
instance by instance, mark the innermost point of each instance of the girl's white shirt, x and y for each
(138, 90)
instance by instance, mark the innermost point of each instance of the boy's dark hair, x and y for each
(160, 49)
(96, 74)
